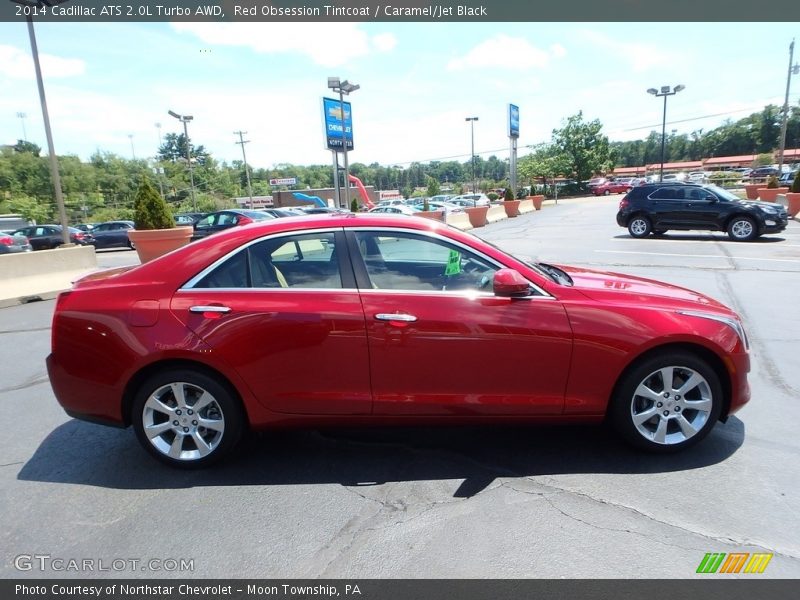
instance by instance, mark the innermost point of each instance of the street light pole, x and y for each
(62, 213)
(344, 87)
(22, 117)
(242, 142)
(133, 152)
(784, 121)
(665, 91)
(185, 119)
(472, 154)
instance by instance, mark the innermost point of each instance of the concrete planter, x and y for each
(436, 215)
(537, 201)
(752, 190)
(770, 194)
(152, 243)
(511, 207)
(793, 203)
(477, 215)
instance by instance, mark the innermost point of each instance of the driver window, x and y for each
(407, 261)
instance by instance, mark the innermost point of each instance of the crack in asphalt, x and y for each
(32, 329)
(28, 384)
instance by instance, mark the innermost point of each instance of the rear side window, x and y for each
(297, 261)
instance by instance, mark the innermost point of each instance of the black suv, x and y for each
(657, 207)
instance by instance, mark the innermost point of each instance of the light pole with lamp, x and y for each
(665, 91)
(22, 116)
(472, 155)
(792, 70)
(185, 119)
(344, 87)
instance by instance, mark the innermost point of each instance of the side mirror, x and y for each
(712, 198)
(508, 283)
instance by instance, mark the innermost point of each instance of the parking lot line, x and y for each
(699, 256)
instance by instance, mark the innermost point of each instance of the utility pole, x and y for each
(242, 142)
(784, 121)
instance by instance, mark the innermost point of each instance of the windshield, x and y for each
(723, 193)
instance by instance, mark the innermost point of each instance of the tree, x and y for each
(30, 147)
(587, 149)
(150, 210)
(545, 162)
(433, 186)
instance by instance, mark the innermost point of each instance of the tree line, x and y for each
(103, 187)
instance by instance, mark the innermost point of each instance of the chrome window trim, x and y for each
(541, 293)
(190, 285)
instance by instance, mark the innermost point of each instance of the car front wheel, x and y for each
(742, 229)
(667, 403)
(639, 226)
(186, 418)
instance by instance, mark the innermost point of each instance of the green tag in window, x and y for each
(453, 263)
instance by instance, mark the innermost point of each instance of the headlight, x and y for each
(731, 322)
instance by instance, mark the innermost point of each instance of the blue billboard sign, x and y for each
(513, 121)
(333, 121)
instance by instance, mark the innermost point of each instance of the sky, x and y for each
(419, 81)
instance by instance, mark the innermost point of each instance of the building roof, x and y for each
(726, 160)
(689, 164)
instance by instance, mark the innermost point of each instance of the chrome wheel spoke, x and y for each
(646, 392)
(179, 393)
(691, 383)
(667, 377)
(153, 431)
(214, 424)
(661, 431)
(687, 428)
(204, 400)
(645, 416)
(202, 447)
(176, 447)
(703, 405)
(156, 405)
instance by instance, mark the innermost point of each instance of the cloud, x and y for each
(18, 64)
(641, 56)
(312, 40)
(505, 52)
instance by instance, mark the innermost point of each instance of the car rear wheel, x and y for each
(742, 229)
(606, 192)
(667, 403)
(186, 418)
(639, 226)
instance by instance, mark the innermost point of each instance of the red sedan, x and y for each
(349, 319)
(612, 187)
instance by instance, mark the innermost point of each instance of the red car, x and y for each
(612, 187)
(347, 319)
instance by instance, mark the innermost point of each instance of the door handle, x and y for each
(210, 309)
(402, 317)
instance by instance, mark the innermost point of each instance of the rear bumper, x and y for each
(81, 399)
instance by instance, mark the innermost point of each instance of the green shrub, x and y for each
(508, 195)
(772, 182)
(796, 183)
(492, 196)
(150, 210)
(354, 205)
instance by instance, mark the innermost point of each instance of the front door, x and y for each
(442, 344)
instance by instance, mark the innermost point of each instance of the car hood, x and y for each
(758, 204)
(617, 287)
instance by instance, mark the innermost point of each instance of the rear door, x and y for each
(285, 313)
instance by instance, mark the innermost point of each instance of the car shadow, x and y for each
(699, 237)
(82, 453)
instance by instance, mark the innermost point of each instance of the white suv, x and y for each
(471, 200)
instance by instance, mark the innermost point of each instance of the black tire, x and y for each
(742, 229)
(639, 226)
(221, 411)
(668, 409)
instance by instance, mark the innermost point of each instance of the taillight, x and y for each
(244, 220)
(62, 298)
(7, 240)
(623, 203)
(79, 235)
